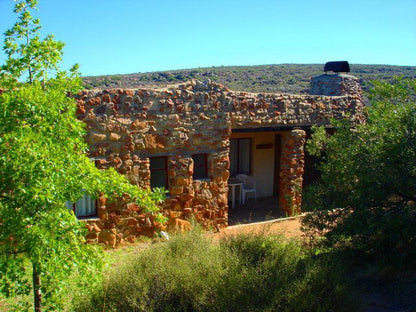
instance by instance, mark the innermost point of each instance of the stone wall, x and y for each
(126, 127)
(119, 222)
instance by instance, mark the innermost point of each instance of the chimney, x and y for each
(336, 84)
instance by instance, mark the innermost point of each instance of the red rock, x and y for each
(133, 207)
(138, 125)
(80, 109)
(91, 236)
(114, 136)
(106, 98)
(182, 181)
(116, 99)
(102, 213)
(150, 141)
(94, 101)
(95, 228)
(107, 238)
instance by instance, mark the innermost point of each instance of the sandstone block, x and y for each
(182, 181)
(80, 107)
(178, 225)
(176, 190)
(174, 214)
(206, 195)
(161, 141)
(92, 236)
(102, 213)
(94, 101)
(177, 206)
(107, 238)
(96, 137)
(114, 137)
(225, 175)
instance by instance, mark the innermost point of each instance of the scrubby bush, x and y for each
(244, 273)
(366, 199)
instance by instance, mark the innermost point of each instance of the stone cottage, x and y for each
(191, 138)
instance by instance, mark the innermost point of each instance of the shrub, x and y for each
(243, 273)
(369, 171)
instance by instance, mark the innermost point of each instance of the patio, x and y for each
(263, 209)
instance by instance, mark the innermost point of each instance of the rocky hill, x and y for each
(287, 78)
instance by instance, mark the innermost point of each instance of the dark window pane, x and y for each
(157, 163)
(158, 172)
(200, 166)
(158, 179)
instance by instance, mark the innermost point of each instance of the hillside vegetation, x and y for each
(287, 78)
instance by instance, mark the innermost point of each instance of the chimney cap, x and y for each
(338, 66)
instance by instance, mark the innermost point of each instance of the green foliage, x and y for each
(43, 164)
(368, 178)
(244, 273)
(26, 52)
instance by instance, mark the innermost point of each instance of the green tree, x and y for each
(365, 200)
(43, 164)
(26, 52)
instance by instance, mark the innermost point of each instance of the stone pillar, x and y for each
(138, 173)
(220, 172)
(291, 171)
(180, 170)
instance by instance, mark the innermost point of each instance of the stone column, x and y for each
(180, 170)
(138, 173)
(291, 171)
(220, 172)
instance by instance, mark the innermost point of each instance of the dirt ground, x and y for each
(288, 227)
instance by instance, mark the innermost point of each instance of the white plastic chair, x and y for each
(249, 186)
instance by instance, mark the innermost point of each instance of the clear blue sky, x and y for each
(128, 36)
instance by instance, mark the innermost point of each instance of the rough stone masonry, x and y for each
(127, 127)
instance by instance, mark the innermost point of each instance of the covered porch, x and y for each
(274, 160)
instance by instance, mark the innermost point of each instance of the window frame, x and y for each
(205, 166)
(165, 169)
(250, 156)
(73, 206)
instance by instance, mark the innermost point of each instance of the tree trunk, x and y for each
(37, 293)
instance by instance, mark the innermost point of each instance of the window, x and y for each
(200, 166)
(240, 156)
(83, 207)
(158, 172)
